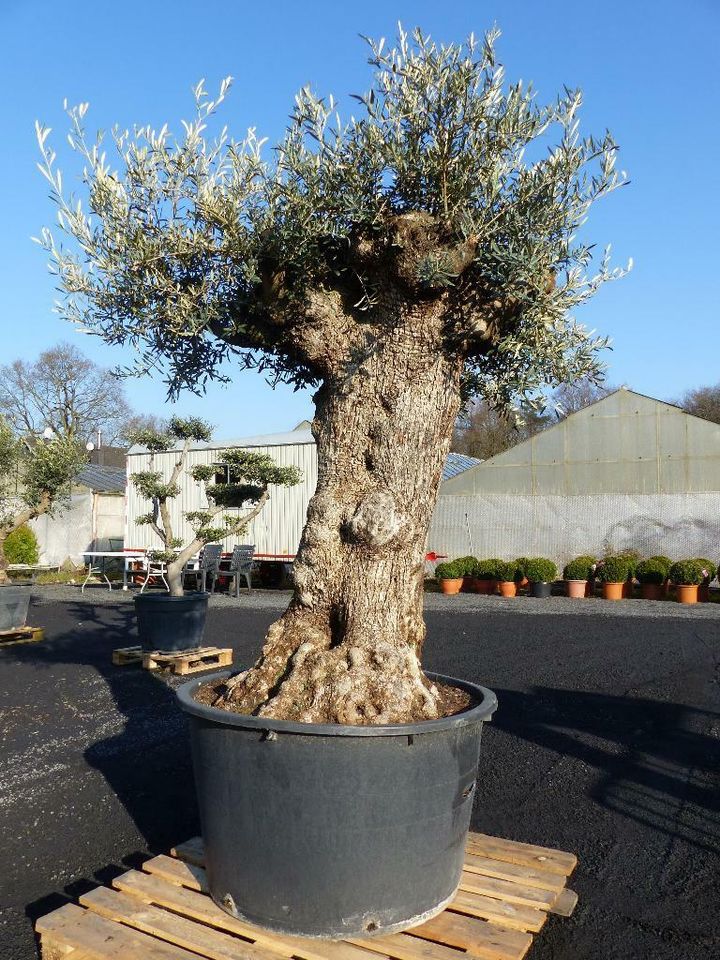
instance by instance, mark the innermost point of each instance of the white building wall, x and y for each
(67, 533)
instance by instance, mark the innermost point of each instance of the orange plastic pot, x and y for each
(451, 586)
(686, 592)
(613, 591)
(508, 588)
(652, 591)
(577, 589)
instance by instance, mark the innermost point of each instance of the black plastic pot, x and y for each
(540, 590)
(329, 830)
(14, 602)
(171, 624)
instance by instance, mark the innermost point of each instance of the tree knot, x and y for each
(376, 520)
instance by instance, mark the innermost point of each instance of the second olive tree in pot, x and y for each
(398, 263)
(175, 620)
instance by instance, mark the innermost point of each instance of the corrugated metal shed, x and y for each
(456, 463)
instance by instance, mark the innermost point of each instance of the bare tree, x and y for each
(393, 262)
(570, 397)
(142, 423)
(483, 432)
(65, 391)
(702, 402)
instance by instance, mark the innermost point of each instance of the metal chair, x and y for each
(154, 569)
(209, 566)
(241, 564)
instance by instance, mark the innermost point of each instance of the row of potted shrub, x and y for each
(615, 573)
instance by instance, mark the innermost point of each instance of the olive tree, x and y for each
(35, 478)
(424, 249)
(249, 475)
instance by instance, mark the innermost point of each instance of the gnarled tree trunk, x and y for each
(347, 648)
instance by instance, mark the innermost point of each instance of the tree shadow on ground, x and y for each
(146, 764)
(656, 759)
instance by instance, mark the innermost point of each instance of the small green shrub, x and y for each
(540, 570)
(666, 563)
(448, 571)
(687, 572)
(652, 570)
(708, 566)
(487, 569)
(633, 558)
(466, 566)
(60, 576)
(614, 569)
(522, 563)
(21, 546)
(581, 568)
(509, 572)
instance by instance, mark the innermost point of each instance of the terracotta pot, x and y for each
(451, 586)
(508, 588)
(686, 592)
(576, 589)
(652, 591)
(704, 593)
(484, 586)
(613, 591)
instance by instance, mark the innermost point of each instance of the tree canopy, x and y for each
(450, 185)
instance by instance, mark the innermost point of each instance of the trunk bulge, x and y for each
(347, 648)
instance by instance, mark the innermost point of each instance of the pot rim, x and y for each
(166, 598)
(483, 711)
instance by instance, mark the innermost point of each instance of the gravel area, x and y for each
(606, 742)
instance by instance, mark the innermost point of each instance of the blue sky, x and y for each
(649, 72)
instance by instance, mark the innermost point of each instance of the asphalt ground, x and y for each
(606, 742)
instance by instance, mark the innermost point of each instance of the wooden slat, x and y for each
(193, 904)
(181, 931)
(177, 871)
(477, 937)
(529, 876)
(404, 946)
(508, 914)
(193, 851)
(525, 854)
(74, 927)
(565, 903)
(508, 891)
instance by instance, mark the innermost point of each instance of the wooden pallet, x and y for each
(163, 912)
(21, 635)
(191, 661)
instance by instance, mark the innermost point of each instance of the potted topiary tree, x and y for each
(449, 576)
(35, 478)
(541, 573)
(577, 576)
(613, 572)
(688, 575)
(652, 575)
(425, 251)
(175, 620)
(465, 566)
(508, 577)
(485, 575)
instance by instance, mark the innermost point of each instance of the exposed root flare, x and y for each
(344, 684)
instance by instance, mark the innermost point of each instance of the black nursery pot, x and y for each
(540, 590)
(334, 831)
(171, 624)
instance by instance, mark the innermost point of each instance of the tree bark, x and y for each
(347, 648)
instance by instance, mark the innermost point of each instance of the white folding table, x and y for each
(102, 555)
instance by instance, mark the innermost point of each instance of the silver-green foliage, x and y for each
(173, 235)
